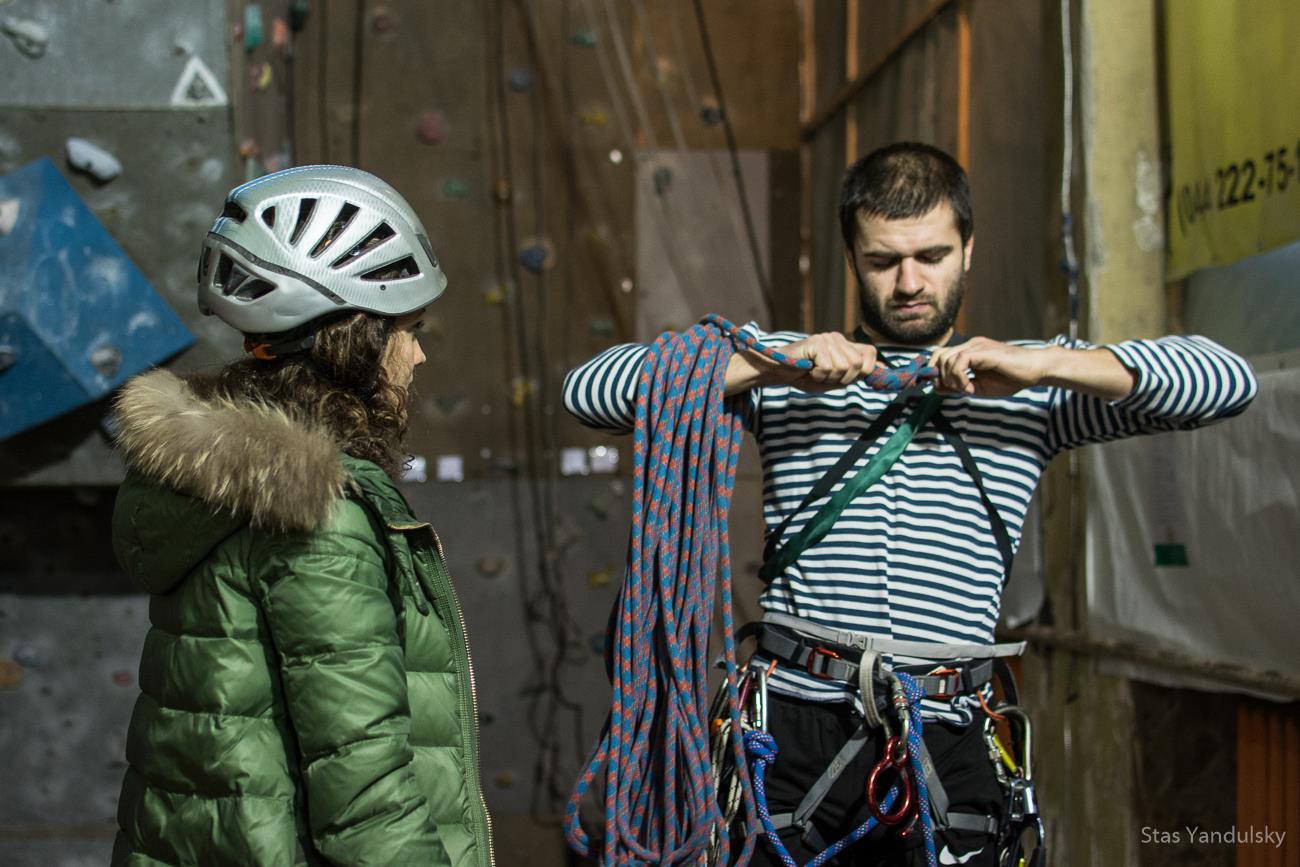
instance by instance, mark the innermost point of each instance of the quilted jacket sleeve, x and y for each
(334, 628)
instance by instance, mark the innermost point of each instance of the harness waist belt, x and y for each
(863, 641)
(826, 664)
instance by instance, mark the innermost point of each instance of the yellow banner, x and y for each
(1233, 79)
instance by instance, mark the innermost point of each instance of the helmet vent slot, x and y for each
(252, 289)
(233, 211)
(224, 266)
(398, 270)
(381, 233)
(268, 217)
(346, 213)
(305, 208)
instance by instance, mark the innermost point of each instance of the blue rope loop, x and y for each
(763, 748)
(660, 804)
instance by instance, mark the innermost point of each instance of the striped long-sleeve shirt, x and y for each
(914, 557)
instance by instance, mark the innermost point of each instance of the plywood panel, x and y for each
(1015, 79)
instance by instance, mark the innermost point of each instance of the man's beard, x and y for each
(912, 332)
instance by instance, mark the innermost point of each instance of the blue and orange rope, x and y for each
(660, 806)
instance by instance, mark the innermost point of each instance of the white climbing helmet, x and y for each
(305, 242)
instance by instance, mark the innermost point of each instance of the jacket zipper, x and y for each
(473, 697)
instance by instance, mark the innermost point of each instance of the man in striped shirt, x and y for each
(916, 557)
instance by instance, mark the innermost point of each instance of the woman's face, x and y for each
(404, 351)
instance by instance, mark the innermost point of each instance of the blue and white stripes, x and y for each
(914, 558)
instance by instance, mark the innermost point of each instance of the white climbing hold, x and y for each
(29, 37)
(93, 160)
(9, 210)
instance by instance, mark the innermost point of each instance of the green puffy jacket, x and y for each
(306, 689)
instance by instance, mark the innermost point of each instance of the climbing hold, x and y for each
(626, 285)
(501, 191)
(616, 156)
(280, 35)
(573, 462)
(601, 577)
(93, 160)
(490, 567)
(253, 35)
(383, 21)
(520, 388)
(9, 211)
(11, 674)
(710, 114)
(278, 160)
(665, 71)
(106, 360)
(27, 36)
(586, 38)
(505, 780)
(454, 188)
(416, 469)
(598, 507)
(122, 678)
(298, 11)
(537, 257)
(249, 148)
(259, 77)
(495, 295)
(451, 468)
(600, 326)
(520, 79)
(663, 179)
(594, 117)
(431, 128)
(27, 656)
(603, 459)
(597, 643)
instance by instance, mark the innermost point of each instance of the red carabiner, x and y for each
(902, 778)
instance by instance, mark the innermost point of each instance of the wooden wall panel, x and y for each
(1268, 783)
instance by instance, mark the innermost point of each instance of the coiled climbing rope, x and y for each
(660, 806)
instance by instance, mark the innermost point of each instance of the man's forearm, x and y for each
(747, 369)
(1097, 372)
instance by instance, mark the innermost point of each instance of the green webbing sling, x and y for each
(820, 524)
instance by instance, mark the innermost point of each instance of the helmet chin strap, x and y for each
(266, 351)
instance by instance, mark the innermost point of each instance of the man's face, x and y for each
(912, 274)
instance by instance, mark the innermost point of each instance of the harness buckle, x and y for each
(815, 653)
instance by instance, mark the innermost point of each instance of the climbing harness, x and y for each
(857, 659)
(660, 799)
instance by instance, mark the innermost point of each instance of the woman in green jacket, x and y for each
(306, 689)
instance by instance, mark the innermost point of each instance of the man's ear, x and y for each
(966, 251)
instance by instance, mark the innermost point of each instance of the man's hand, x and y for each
(987, 368)
(837, 361)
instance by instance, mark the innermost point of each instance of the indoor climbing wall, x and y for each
(530, 136)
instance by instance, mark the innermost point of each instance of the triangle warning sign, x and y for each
(198, 87)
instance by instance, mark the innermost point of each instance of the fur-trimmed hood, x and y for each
(244, 458)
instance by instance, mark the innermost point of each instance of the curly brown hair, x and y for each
(339, 384)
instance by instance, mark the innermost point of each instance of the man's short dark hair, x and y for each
(903, 180)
